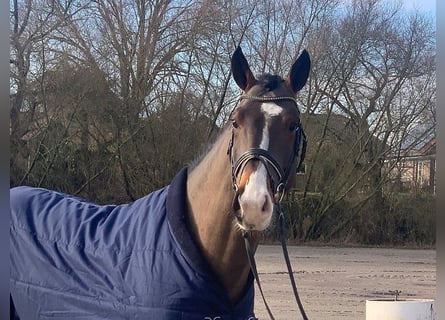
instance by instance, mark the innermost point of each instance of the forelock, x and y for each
(270, 82)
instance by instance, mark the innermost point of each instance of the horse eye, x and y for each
(234, 123)
(293, 126)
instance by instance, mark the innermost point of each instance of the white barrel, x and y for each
(406, 309)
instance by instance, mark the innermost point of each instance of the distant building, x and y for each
(415, 170)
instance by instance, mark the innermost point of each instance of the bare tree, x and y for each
(376, 55)
(32, 22)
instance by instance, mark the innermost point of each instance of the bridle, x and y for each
(266, 158)
(283, 176)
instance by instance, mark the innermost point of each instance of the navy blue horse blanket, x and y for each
(71, 259)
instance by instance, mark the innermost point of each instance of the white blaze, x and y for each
(256, 194)
(270, 110)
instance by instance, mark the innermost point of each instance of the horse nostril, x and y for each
(266, 205)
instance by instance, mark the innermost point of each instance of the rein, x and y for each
(283, 175)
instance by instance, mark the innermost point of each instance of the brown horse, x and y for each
(177, 253)
(265, 118)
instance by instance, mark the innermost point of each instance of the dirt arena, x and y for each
(334, 283)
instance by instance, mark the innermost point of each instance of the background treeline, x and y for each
(109, 99)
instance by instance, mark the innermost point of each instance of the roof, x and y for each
(428, 148)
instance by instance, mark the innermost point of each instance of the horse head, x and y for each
(266, 135)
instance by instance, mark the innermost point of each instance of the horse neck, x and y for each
(210, 195)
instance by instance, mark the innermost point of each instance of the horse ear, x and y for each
(244, 78)
(299, 72)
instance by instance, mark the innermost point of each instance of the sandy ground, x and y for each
(334, 283)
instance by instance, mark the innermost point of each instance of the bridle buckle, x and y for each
(279, 193)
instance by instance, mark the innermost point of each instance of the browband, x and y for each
(256, 98)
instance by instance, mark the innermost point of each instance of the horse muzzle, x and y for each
(253, 202)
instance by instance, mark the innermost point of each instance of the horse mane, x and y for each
(192, 164)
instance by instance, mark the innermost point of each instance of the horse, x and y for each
(178, 252)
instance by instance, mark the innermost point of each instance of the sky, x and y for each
(424, 6)
(428, 6)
